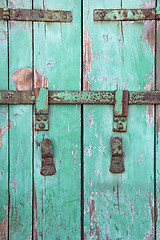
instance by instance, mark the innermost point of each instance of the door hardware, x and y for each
(48, 166)
(125, 14)
(41, 109)
(35, 15)
(120, 111)
(117, 162)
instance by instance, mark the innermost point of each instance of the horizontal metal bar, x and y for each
(79, 97)
(35, 15)
(125, 14)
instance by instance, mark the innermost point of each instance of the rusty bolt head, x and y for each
(45, 118)
(41, 125)
(38, 118)
(17, 14)
(120, 126)
(116, 119)
(123, 119)
(64, 16)
(102, 14)
(41, 15)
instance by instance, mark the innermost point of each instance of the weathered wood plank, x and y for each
(57, 57)
(20, 142)
(4, 196)
(157, 137)
(118, 205)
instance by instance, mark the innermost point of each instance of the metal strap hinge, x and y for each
(125, 14)
(36, 15)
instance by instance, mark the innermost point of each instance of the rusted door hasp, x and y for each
(41, 109)
(117, 162)
(120, 111)
(48, 166)
(125, 14)
(36, 15)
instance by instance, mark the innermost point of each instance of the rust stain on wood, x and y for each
(3, 129)
(4, 226)
(87, 59)
(152, 215)
(35, 234)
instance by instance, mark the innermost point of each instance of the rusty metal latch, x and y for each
(36, 15)
(41, 109)
(48, 166)
(117, 162)
(120, 111)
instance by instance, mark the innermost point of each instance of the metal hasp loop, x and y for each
(117, 162)
(120, 111)
(48, 166)
(41, 109)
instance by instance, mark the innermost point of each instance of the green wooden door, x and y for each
(83, 200)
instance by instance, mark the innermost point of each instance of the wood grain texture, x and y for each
(158, 129)
(121, 57)
(4, 197)
(57, 57)
(20, 142)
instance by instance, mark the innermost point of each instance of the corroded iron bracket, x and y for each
(48, 166)
(80, 97)
(117, 162)
(36, 15)
(125, 14)
(120, 111)
(41, 109)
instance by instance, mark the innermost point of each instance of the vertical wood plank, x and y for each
(20, 142)
(57, 57)
(3, 131)
(158, 129)
(121, 56)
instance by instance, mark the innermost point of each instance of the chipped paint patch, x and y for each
(149, 38)
(22, 79)
(40, 81)
(88, 151)
(87, 58)
(147, 4)
(3, 129)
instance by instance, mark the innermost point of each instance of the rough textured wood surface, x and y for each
(157, 137)
(4, 196)
(57, 57)
(120, 56)
(20, 140)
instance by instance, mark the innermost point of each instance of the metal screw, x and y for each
(17, 14)
(116, 119)
(38, 118)
(41, 15)
(123, 119)
(45, 118)
(120, 126)
(41, 125)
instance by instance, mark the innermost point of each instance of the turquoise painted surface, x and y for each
(20, 140)
(121, 57)
(3, 132)
(57, 57)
